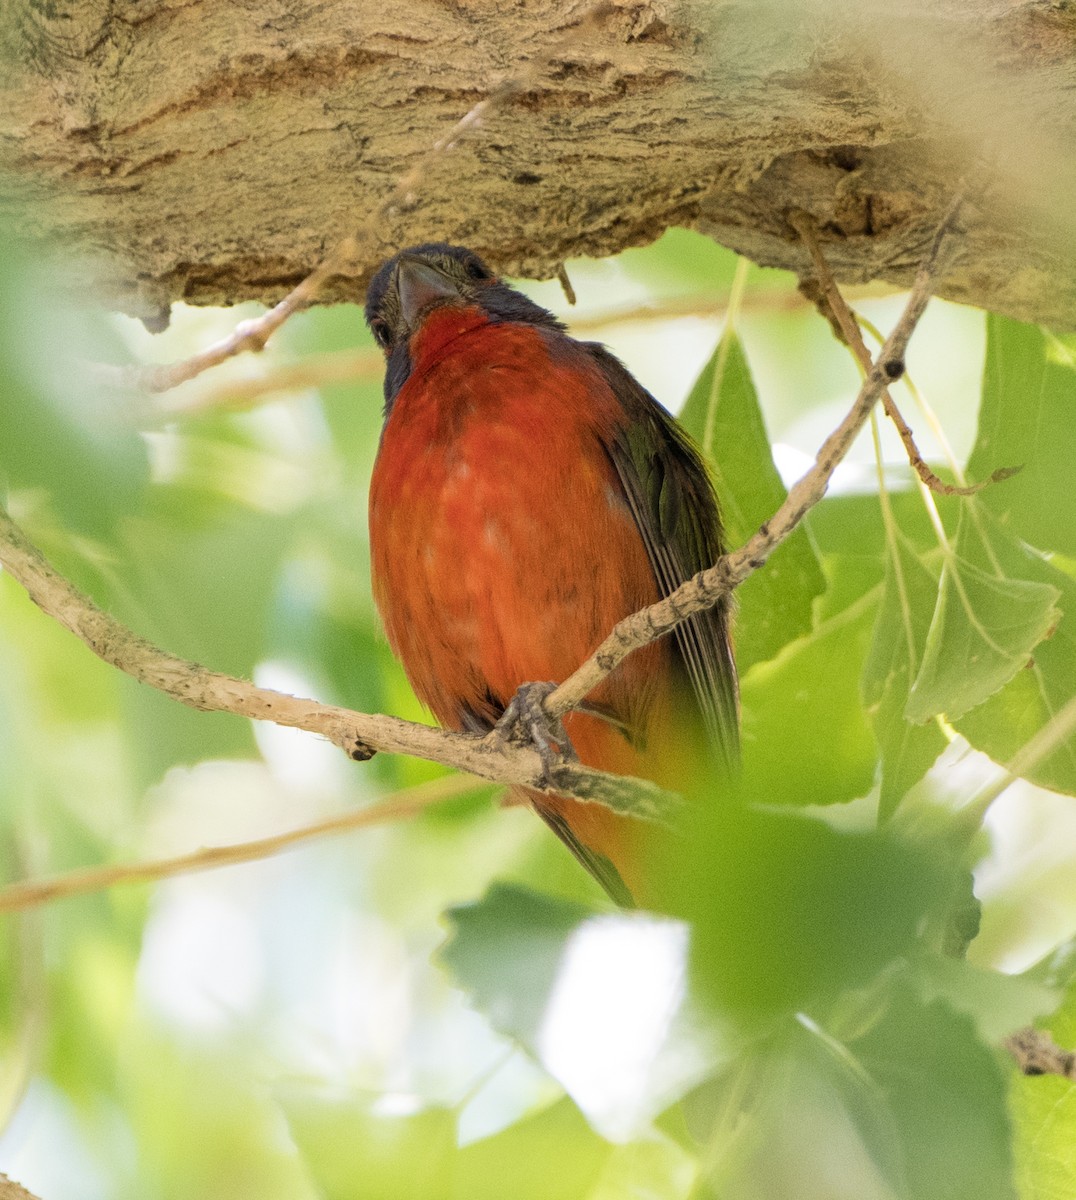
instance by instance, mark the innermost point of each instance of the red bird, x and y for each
(529, 493)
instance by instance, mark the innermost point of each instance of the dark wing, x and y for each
(672, 500)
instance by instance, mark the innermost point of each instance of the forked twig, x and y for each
(844, 320)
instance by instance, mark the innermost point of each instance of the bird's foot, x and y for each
(526, 722)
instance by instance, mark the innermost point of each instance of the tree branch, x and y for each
(358, 734)
(345, 366)
(844, 321)
(403, 804)
(706, 588)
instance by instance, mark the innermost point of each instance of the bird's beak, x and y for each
(421, 287)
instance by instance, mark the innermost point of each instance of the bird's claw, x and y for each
(526, 722)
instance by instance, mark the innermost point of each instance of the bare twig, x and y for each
(404, 804)
(10, 1190)
(345, 256)
(565, 283)
(707, 587)
(848, 326)
(1037, 1054)
(345, 366)
(1036, 750)
(314, 371)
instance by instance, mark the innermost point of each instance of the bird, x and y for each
(527, 494)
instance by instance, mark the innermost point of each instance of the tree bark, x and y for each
(212, 150)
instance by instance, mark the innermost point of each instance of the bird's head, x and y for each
(422, 281)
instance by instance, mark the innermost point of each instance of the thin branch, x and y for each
(345, 256)
(707, 587)
(10, 1190)
(1037, 1054)
(358, 734)
(848, 326)
(314, 371)
(1035, 751)
(346, 366)
(403, 804)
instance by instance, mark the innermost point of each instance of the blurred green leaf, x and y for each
(900, 635)
(1027, 420)
(204, 570)
(1044, 1116)
(983, 631)
(593, 996)
(351, 1151)
(652, 1169)
(201, 1124)
(787, 912)
(946, 1092)
(60, 431)
(551, 1155)
(506, 950)
(806, 739)
(998, 1004)
(774, 604)
(1009, 719)
(913, 1109)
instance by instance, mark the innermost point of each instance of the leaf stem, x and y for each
(732, 313)
(891, 538)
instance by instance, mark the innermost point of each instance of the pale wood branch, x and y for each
(10, 1190)
(834, 304)
(400, 806)
(196, 154)
(354, 365)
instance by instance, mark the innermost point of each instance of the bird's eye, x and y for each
(476, 269)
(381, 332)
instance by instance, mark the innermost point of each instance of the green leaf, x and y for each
(506, 950)
(1009, 719)
(945, 1091)
(351, 1151)
(805, 734)
(774, 603)
(1044, 1116)
(595, 997)
(914, 1109)
(1028, 418)
(900, 635)
(60, 431)
(999, 1004)
(983, 631)
(788, 912)
(552, 1155)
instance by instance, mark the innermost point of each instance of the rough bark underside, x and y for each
(213, 150)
